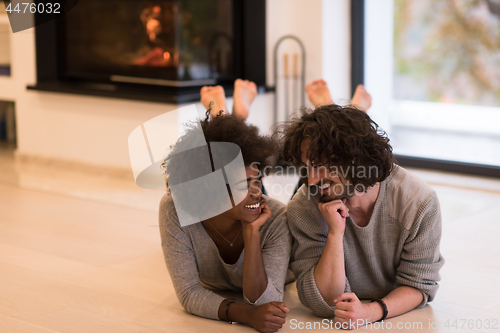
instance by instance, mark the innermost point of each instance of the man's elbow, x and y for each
(421, 294)
(315, 305)
(323, 314)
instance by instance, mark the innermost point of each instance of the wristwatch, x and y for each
(384, 307)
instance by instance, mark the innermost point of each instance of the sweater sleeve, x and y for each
(276, 249)
(182, 266)
(421, 259)
(309, 237)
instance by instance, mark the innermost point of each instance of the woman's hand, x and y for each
(269, 317)
(265, 214)
(254, 273)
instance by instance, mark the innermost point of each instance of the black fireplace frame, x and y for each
(249, 57)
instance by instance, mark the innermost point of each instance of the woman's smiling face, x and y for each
(249, 209)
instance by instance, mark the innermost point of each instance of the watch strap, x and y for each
(229, 302)
(384, 308)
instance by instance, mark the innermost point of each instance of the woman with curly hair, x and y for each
(246, 248)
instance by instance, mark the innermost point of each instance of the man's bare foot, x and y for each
(361, 99)
(244, 94)
(318, 93)
(216, 95)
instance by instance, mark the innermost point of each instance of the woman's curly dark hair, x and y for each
(185, 163)
(343, 137)
(255, 148)
(191, 159)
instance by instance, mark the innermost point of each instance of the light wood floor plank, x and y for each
(89, 275)
(73, 265)
(73, 230)
(42, 311)
(9, 324)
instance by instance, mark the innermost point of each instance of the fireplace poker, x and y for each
(279, 78)
(286, 85)
(296, 93)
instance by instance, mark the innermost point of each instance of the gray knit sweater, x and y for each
(398, 247)
(196, 268)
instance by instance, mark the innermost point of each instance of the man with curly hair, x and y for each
(363, 227)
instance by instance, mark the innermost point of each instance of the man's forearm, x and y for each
(402, 300)
(329, 273)
(349, 309)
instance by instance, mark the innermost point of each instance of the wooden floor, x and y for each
(79, 253)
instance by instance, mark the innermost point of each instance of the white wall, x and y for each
(299, 18)
(336, 51)
(5, 32)
(379, 31)
(94, 130)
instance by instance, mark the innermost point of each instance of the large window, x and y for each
(433, 68)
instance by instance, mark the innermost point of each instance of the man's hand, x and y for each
(354, 314)
(268, 317)
(334, 213)
(329, 273)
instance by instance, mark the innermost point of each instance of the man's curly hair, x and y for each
(343, 137)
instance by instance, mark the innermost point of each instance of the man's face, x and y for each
(331, 184)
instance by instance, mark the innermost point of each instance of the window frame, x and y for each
(358, 77)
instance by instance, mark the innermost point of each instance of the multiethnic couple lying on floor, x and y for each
(359, 227)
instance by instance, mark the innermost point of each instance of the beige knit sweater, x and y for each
(197, 269)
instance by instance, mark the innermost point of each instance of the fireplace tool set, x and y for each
(289, 85)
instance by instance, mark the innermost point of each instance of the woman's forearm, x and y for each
(237, 312)
(254, 272)
(329, 273)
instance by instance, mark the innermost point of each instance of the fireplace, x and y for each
(155, 50)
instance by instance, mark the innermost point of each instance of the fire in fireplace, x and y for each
(136, 46)
(186, 41)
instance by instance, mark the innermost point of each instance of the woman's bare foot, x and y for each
(318, 93)
(244, 94)
(216, 95)
(361, 99)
